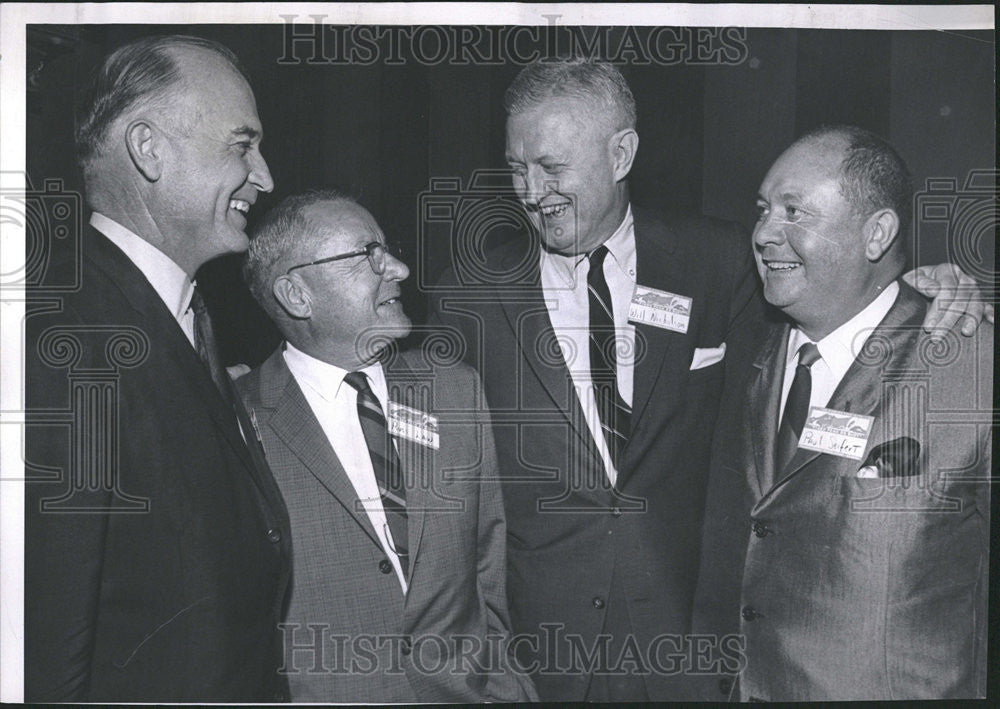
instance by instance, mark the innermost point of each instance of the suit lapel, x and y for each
(528, 318)
(763, 405)
(294, 423)
(164, 328)
(655, 268)
(860, 391)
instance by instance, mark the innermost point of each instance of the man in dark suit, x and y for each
(855, 503)
(387, 465)
(605, 347)
(156, 541)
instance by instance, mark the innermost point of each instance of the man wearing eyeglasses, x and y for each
(387, 466)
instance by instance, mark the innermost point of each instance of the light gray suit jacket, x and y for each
(858, 588)
(350, 633)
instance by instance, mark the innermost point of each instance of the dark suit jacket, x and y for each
(156, 544)
(393, 648)
(578, 549)
(856, 588)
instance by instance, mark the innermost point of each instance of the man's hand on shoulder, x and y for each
(956, 298)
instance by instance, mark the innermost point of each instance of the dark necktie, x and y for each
(204, 343)
(614, 413)
(385, 463)
(796, 407)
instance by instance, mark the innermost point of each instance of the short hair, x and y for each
(575, 77)
(872, 174)
(143, 70)
(282, 230)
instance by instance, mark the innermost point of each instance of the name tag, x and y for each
(836, 432)
(660, 309)
(413, 425)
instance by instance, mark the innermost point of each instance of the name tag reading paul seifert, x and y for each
(660, 309)
(413, 425)
(836, 432)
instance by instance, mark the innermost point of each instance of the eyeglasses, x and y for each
(374, 250)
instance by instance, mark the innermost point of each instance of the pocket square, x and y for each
(707, 356)
(893, 459)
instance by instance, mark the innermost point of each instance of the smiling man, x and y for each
(156, 541)
(386, 462)
(855, 505)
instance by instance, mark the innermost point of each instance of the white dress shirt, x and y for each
(564, 287)
(168, 279)
(335, 405)
(837, 350)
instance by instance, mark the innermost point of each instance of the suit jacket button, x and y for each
(725, 685)
(749, 613)
(385, 566)
(761, 529)
(598, 602)
(274, 535)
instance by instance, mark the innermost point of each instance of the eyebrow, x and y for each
(249, 132)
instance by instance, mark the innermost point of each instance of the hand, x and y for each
(237, 371)
(957, 297)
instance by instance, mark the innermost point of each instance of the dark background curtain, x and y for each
(403, 131)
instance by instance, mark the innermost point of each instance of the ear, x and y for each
(623, 145)
(881, 230)
(293, 296)
(144, 144)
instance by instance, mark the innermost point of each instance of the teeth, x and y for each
(390, 301)
(555, 211)
(782, 265)
(239, 205)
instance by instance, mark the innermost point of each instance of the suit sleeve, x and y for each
(63, 550)
(510, 685)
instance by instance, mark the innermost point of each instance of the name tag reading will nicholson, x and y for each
(660, 309)
(836, 432)
(413, 425)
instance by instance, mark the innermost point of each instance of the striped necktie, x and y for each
(614, 413)
(385, 463)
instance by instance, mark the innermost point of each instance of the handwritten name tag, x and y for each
(660, 309)
(836, 432)
(413, 425)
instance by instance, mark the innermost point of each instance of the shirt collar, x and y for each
(840, 348)
(621, 249)
(326, 379)
(168, 279)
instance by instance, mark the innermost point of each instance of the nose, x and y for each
(395, 270)
(532, 186)
(260, 176)
(767, 233)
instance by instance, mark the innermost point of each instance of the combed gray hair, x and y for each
(143, 70)
(281, 232)
(576, 77)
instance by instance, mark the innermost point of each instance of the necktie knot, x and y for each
(808, 354)
(358, 381)
(596, 258)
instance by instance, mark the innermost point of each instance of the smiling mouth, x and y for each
(781, 265)
(554, 210)
(389, 301)
(240, 205)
